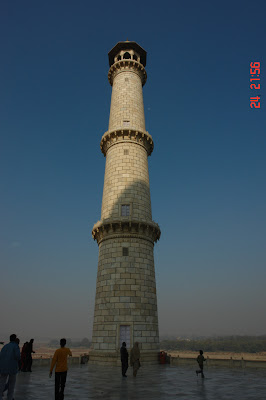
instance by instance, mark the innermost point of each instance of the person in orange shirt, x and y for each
(60, 360)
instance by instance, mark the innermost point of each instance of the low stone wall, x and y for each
(47, 361)
(227, 363)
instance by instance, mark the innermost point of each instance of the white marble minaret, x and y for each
(126, 301)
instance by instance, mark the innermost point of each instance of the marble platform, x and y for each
(152, 382)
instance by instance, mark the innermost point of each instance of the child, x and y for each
(60, 360)
(200, 360)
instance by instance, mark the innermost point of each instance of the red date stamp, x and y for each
(255, 71)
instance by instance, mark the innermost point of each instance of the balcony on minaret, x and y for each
(127, 51)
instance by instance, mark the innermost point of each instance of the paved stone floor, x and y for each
(155, 382)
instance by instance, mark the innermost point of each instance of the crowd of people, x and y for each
(11, 361)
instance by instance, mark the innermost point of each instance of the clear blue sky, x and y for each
(207, 171)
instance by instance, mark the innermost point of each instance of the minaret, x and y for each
(126, 301)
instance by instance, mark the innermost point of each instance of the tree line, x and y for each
(235, 344)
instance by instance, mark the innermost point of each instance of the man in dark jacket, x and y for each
(9, 365)
(124, 359)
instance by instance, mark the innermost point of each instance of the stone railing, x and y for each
(71, 361)
(219, 362)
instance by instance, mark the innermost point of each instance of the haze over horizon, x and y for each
(207, 171)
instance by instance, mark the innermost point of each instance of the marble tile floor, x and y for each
(86, 382)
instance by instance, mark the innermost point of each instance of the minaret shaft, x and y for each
(126, 181)
(126, 301)
(127, 108)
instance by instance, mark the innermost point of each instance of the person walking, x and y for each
(9, 366)
(24, 357)
(19, 368)
(124, 358)
(200, 360)
(134, 358)
(60, 360)
(29, 351)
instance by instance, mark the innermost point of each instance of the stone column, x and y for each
(126, 302)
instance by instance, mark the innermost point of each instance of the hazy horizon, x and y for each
(46, 340)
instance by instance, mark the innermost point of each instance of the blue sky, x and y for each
(207, 171)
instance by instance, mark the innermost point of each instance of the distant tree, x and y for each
(237, 344)
(85, 342)
(69, 342)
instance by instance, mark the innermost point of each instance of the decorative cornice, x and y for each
(110, 138)
(110, 229)
(125, 65)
